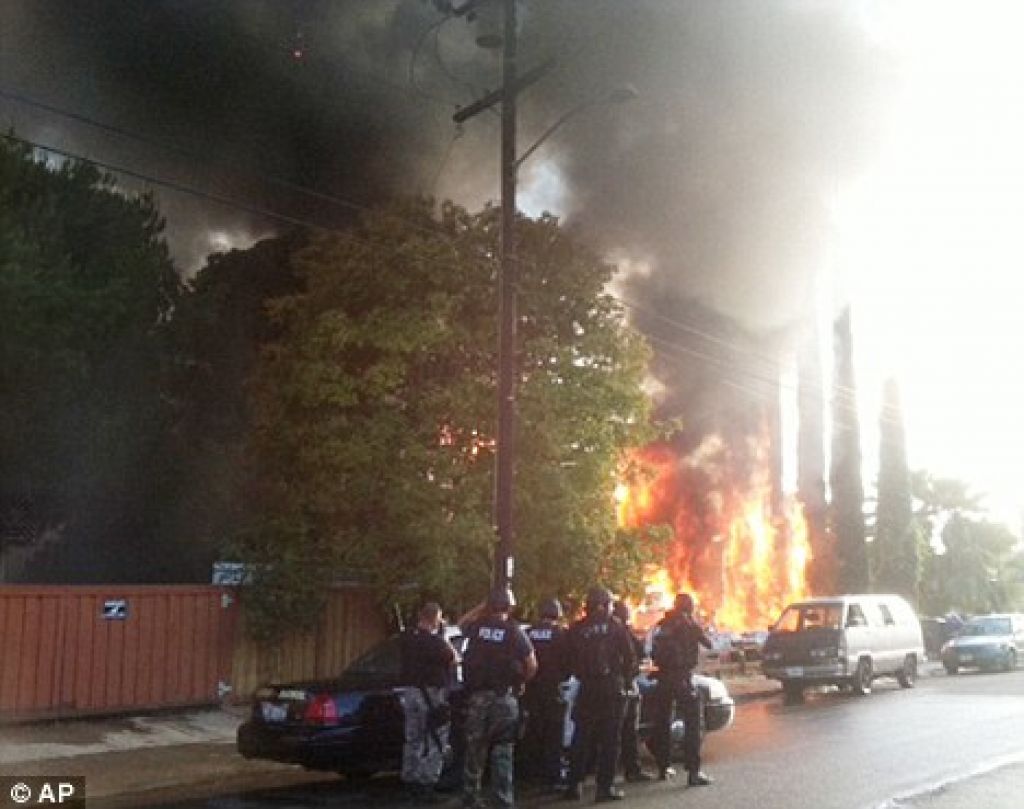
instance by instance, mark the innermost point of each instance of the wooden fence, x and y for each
(351, 623)
(76, 650)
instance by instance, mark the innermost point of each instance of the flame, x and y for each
(743, 556)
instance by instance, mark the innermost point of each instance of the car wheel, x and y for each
(951, 668)
(907, 675)
(1011, 660)
(862, 677)
(792, 692)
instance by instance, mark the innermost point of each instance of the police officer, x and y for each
(601, 657)
(675, 654)
(499, 659)
(543, 699)
(630, 743)
(427, 661)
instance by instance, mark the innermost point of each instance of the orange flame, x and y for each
(741, 556)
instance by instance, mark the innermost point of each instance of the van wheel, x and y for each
(907, 675)
(792, 692)
(862, 677)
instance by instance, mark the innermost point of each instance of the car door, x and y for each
(858, 631)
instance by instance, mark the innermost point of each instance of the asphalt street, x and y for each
(951, 742)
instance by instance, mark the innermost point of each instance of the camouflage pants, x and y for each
(491, 721)
(423, 751)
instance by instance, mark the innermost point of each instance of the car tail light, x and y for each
(321, 710)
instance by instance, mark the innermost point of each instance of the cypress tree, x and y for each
(847, 510)
(896, 552)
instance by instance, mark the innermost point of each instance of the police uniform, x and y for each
(542, 744)
(601, 657)
(630, 741)
(675, 654)
(493, 666)
(426, 664)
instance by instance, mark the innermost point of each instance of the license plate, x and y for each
(966, 657)
(273, 712)
(795, 671)
(292, 694)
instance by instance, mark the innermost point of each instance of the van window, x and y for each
(856, 616)
(887, 618)
(807, 617)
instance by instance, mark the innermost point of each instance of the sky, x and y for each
(781, 160)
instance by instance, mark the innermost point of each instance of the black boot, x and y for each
(698, 779)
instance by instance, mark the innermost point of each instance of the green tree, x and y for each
(86, 286)
(896, 549)
(847, 506)
(972, 564)
(218, 329)
(374, 413)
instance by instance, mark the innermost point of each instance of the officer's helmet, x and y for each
(550, 609)
(500, 599)
(599, 598)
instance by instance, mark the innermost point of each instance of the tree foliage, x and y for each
(374, 412)
(973, 565)
(897, 543)
(86, 286)
(847, 508)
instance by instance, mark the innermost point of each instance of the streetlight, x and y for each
(508, 274)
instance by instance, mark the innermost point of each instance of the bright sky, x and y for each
(930, 243)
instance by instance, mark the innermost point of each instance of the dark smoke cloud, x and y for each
(750, 115)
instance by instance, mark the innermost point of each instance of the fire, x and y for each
(739, 547)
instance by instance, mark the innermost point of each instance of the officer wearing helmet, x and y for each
(499, 659)
(601, 656)
(630, 745)
(542, 701)
(675, 654)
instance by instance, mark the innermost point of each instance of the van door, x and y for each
(857, 631)
(888, 648)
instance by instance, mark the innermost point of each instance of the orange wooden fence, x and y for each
(74, 650)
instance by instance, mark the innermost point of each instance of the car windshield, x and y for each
(987, 626)
(805, 617)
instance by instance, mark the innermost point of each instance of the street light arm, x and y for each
(617, 96)
(565, 116)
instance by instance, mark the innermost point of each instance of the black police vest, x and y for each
(597, 651)
(546, 638)
(489, 664)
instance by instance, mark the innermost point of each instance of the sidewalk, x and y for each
(134, 760)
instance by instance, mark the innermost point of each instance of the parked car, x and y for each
(353, 724)
(847, 641)
(986, 642)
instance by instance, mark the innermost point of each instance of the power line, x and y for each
(178, 150)
(218, 199)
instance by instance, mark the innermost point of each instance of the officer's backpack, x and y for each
(596, 653)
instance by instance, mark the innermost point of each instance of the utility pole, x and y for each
(508, 288)
(508, 275)
(508, 360)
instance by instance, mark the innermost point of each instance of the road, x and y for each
(950, 743)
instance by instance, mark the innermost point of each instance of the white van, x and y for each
(845, 640)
